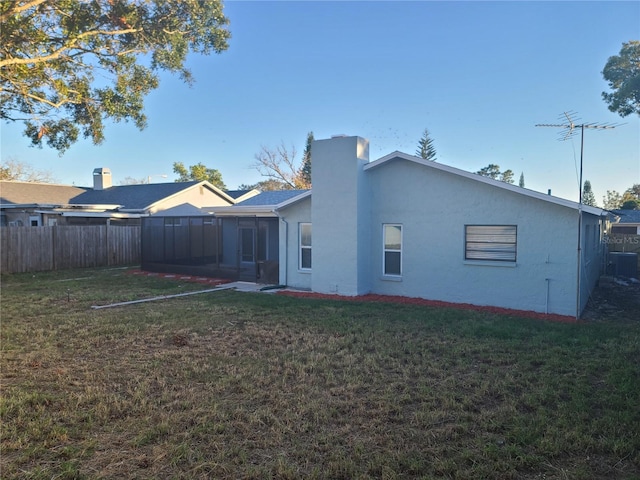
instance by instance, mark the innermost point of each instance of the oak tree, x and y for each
(493, 171)
(68, 65)
(198, 172)
(623, 74)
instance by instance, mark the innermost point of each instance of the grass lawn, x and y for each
(239, 385)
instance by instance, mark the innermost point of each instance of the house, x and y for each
(405, 226)
(626, 222)
(36, 204)
(239, 241)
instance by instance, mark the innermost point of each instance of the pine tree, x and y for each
(588, 198)
(426, 149)
(305, 170)
(521, 182)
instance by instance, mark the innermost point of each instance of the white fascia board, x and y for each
(489, 181)
(25, 205)
(246, 196)
(51, 206)
(256, 210)
(247, 211)
(293, 200)
(99, 214)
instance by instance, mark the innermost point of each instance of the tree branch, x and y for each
(17, 9)
(57, 53)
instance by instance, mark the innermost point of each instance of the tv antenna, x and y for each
(570, 128)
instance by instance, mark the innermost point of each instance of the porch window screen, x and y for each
(392, 249)
(491, 242)
(305, 246)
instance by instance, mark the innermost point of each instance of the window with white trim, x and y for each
(392, 249)
(304, 260)
(490, 242)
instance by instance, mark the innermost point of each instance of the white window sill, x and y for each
(391, 278)
(308, 271)
(489, 263)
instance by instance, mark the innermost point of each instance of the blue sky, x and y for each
(478, 75)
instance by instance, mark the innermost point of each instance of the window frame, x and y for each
(487, 256)
(386, 250)
(302, 247)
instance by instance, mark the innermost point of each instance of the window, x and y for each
(490, 242)
(392, 247)
(305, 246)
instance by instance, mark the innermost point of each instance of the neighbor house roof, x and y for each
(265, 203)
(399, 156)
(139, 197)
(272, 198)
(627, 216)
(29, 193)
(240, 195)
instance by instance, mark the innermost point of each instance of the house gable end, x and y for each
(400, 156)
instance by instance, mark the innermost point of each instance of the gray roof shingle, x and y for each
(628, 216)
(275, 197)
(27, 193)
(130, 197)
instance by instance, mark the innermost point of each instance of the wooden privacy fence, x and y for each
(621, 242)
(34, 249)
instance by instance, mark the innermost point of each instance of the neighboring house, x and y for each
(626, 221)
(405, 226)
(36, 204)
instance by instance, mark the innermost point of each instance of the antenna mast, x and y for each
(570, 128)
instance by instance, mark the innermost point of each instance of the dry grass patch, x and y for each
(233, 385)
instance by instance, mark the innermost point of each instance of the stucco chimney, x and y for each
(339, 216)
(101, 178)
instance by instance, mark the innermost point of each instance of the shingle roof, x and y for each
(628, 216)
(237, 193)
(275, 197)
(130, 197)
(27, 193)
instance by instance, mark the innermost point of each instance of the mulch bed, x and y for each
(375, 298)
(434, 303)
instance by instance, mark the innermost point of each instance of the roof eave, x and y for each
(293, 200)
(247, 211)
